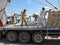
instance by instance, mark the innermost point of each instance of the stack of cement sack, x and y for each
(53, 18)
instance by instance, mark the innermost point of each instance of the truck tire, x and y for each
(37, 37)
(11, 36)
(24, 37)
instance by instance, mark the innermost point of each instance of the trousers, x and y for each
(42, 22)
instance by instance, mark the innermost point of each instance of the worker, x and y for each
(36, 17)
(24, 17)
(15, 18)
(42, 20)
(30, 18)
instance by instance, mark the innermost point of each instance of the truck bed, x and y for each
(19, 27)
(28, 27)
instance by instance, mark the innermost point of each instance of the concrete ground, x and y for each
(46, 42)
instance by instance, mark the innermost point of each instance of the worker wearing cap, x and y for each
(24, 17)
(42, 19)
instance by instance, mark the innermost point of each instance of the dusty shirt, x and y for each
(42, 14)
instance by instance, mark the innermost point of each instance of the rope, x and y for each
(41, 3)
(51, 4)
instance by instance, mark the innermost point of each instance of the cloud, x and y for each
(29, 2)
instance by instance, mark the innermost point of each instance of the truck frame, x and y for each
(29, 34)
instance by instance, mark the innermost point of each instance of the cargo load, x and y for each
(53, 18)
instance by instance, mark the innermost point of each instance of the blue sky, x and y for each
(16, 6)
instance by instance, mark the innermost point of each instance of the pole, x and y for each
(40, 3)
(51, 4)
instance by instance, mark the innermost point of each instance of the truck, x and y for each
(26, 34)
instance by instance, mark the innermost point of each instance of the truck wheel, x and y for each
(24, 37)
(11, 36)
(37, 37)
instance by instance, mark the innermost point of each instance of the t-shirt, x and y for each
(23, 15)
